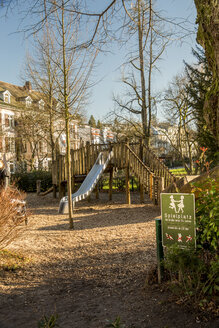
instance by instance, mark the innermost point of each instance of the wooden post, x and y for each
(97, 191)
(60, 175)
(54, 191)
(151, 186)
(88, 156)
(127, 175)
(128, 198)
(160, 252)
(72, 184)
(38, 186)
(160, 188)
(141, 182)
(62, 190)
(141, 192)
(54, 177)
(111, 184)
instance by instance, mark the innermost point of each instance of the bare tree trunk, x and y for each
(143, 85)
(67, 114)
(150, 74)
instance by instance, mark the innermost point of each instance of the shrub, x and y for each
(10, 215)
(197, 271)
(195, 274)
(27, 181)
(207, 214)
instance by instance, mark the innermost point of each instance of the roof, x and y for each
(20, 93)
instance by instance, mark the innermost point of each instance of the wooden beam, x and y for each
(128, 198)
(141, 192)
(111, 184)
(151, 186)
(97, 191)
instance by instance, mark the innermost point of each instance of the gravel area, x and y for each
(92, 273)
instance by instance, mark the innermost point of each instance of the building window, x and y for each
(1, 145)
(11, 121)
(12, 167)
(41, 104)
(9, 145)
(28, 102)
(7, 97)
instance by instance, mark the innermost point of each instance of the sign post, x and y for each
(178, 220)
(160, 254)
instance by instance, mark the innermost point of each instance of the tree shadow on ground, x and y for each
(92, 219)
(86, 291)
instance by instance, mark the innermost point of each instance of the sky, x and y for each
(14, 47)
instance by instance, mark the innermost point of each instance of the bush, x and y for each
(11, 217)
(207, 214)
(27, 181)
(196, 272)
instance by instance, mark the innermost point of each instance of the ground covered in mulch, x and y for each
(92, 273)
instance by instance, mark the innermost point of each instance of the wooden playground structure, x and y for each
(134, 158)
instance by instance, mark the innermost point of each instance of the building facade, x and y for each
(29, 139)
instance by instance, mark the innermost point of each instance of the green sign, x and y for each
(178, 219)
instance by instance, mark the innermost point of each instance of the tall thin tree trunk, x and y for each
(150, 74)
(66, 107)
(143, 86)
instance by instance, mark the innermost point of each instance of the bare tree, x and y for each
(31, 138)
(72, 79)
(42, 72)
(145, 27)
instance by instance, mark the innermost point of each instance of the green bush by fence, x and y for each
(27, 181)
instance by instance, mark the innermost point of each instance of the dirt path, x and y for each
(93, 273)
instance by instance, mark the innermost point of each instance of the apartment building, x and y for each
(25, 136)
(26, 139)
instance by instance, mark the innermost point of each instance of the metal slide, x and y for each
(88, 184)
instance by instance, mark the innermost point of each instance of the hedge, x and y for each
(27, 181)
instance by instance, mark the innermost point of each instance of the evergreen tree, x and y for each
(199, 81)
(92, 122)
(99, 124)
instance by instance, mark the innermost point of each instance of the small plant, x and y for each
(115, 324)
(48, 322)
(10, 261)
(202, 164)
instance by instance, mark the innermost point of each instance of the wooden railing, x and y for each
(154, 163)
(152, 183)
